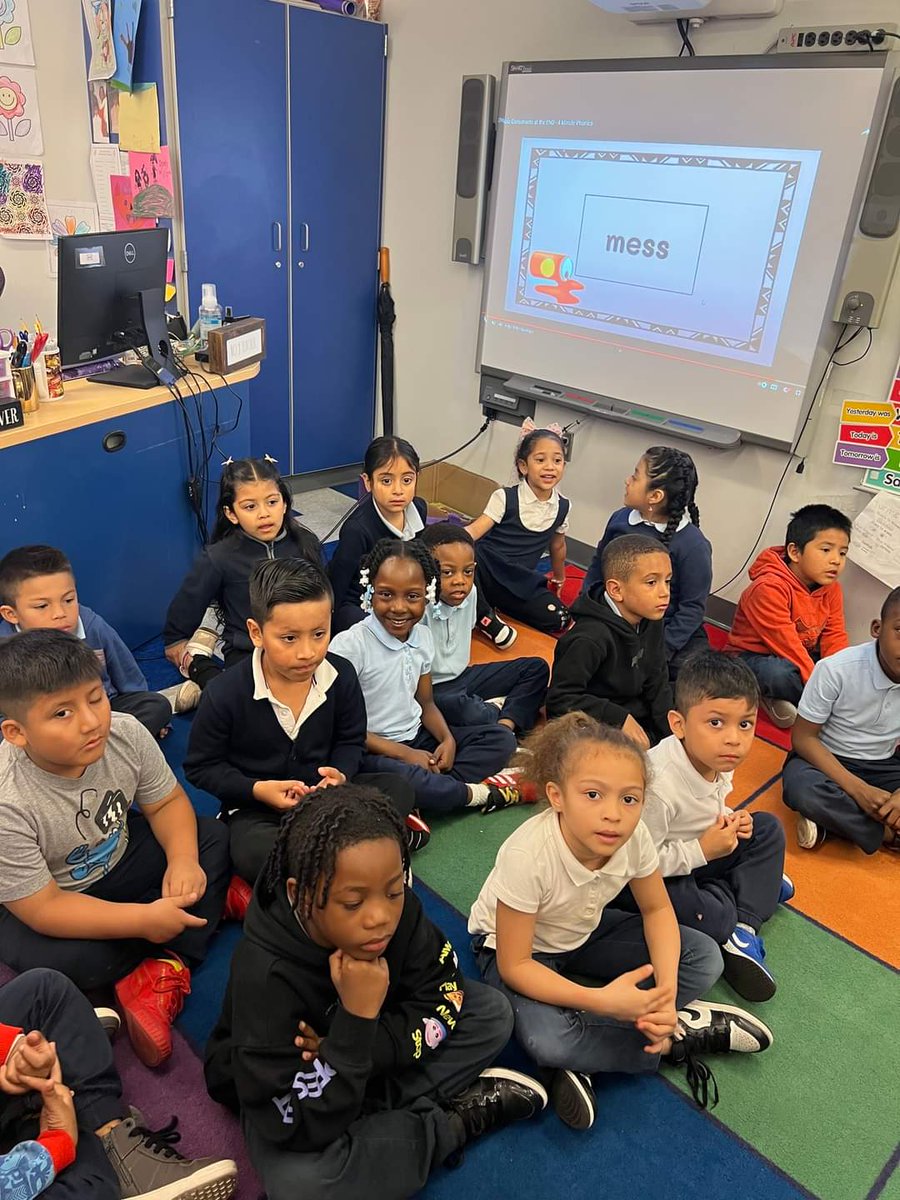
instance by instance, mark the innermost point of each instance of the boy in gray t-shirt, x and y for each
(105, 872)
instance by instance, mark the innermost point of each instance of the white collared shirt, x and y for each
(635, 518)
(412, 523)
(451, 628)
(680, 805)
(536, 515)
(389, 672)
(324, 677)
(536, 872)
(856, 704)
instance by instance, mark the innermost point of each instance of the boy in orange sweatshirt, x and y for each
(792, 612)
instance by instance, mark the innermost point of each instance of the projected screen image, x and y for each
(672, 235)
(675, 244)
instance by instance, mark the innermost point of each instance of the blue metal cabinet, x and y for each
(232, 119)
(280, 114)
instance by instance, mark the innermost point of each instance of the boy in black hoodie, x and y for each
(364, 1066)
(612, 662)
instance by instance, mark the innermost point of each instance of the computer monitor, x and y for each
(111, 299)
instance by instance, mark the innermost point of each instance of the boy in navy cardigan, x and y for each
(37, 591)
(287, 720)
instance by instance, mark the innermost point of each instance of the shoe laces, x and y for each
(701, 1081)
(159, 1142)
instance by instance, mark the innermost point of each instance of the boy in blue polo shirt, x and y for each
(844, 775)
(511, 692)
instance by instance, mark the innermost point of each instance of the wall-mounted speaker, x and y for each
(474, 162)
(876, 243)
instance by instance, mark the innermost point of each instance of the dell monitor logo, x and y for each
(130, 252)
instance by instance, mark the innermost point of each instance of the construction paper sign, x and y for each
(67, 218)
(126, 14)
(875, 458)
(866, 435)
(120, 189)
(98, 19)
(885, 481)
(868, 412)
(139, 119)
(20, 116)
(152, 178)
(23, 206)
(15, 33)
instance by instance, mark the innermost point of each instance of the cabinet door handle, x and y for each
(276, 236)
(304, 234)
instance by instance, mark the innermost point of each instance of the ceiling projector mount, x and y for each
(646, 12)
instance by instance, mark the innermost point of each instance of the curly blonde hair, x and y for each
(551, 753)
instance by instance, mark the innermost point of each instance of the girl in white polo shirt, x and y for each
(594, 989)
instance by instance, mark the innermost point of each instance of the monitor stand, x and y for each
(155, 336)
(137, 376)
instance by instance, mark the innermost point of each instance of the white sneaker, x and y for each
(781, 713)
(182, 696)
(809, 835)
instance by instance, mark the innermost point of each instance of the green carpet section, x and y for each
(822, 1104)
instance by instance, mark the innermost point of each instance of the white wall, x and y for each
(66, 124)
(432, 45)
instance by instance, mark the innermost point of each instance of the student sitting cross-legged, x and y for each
(105, 872)
(723, 869)
(844, 775)
(511, 691)
(612, 663)
(288, 719)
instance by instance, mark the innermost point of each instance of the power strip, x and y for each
(837, 37)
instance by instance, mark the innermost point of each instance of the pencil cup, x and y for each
(23, 380)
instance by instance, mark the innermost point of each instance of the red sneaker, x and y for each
(237, 901)
(512, 779)
(151, 997)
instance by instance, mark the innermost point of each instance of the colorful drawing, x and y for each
(112, 105)
(152, 177)
(99, 94)
(139, 119)
(98, 19)
(15, 33)
(126, 15)
(68, 217)
(123, 205)
(555, 272)
(20, 117)
(23, 207)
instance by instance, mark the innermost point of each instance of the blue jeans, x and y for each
(778, 679)
(582, 1041)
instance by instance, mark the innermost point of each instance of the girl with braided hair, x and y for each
(392, 652)
(660, 502)
(364, 1067)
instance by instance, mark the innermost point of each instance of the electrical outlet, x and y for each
(837, 37)
(568, 440)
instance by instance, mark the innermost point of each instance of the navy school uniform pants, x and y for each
(47, 1001)
(481, 750)
(150, 708)
(812, 794)
(743, 886)
(523, 681)
(135, 879)
(254, 830)
(540, 608)
(565, 1038)
(390, 1150)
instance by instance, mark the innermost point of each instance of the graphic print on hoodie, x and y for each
(778, 614)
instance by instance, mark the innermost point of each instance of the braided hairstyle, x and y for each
(387, 548)
(313, 834)
(674, 473)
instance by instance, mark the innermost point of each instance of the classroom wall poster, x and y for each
(126, 15)
(20, 116)
(15, 34)
(98, 20)
(68, 218)
(23, 206)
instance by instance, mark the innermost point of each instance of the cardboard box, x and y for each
(452, 491)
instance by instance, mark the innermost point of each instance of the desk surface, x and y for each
(86, 403)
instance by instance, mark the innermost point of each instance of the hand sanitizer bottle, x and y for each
(210, 312)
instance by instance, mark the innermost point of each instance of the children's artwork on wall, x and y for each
(139, 119)
(20, 116)
(123, 205)
(67, 218)
(112, 107)
(23, 206)
(98, 19)
(99, 93)
(151, 175)
(126, 14)
(15, 33)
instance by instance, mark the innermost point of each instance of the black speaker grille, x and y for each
(470, 147)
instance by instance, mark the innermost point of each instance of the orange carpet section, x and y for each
(853, 894)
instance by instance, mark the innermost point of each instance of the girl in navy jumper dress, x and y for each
(518, 527)
(390, 509)
(659, 501)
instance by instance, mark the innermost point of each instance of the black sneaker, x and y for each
(501, 796)
(497, 631)
(418, 832)
(572, 1097)
(714, 1029)
(110, 1020)
(497, 1098)
(147, 1165)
